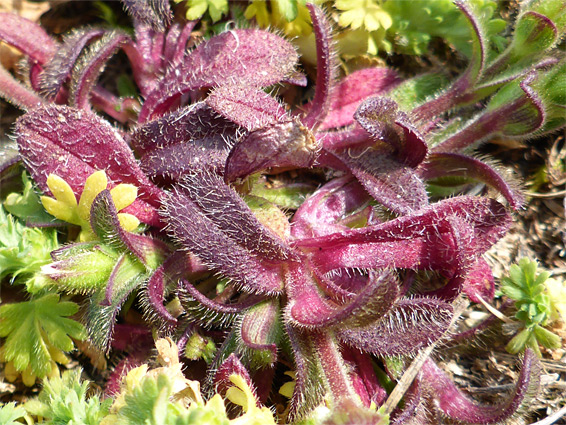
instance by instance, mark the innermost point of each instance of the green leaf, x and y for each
(24, 250)
(9, 413)
(63, 400)
(519, 341)
(288, 9)
(27, 205)
(37, 330)
(197, 8)
(547, 338)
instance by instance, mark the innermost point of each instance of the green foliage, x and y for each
(527, 288)
(24, 250)
(9, 413)
(63, 400)
(415, 24)
(197, 8)
(27, 205)
(37, 333)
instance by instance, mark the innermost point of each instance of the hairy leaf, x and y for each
(27, 36)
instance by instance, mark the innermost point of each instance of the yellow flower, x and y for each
(556, 291)
(65, 207)
(366, 13)
(242, 395)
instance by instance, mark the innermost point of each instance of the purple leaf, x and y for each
(190, 139)
(363, 377)
(353, 90)
(248, 56)
(321, 213)
(410, 325)
(27, 36)
(325, 63)
(454, 404)
(58, 69)
(308, 308)
(420, 240)
(156, 13)
(16, 93)
(73, 144)
(282, 144)
(196, 123)
(223, 206)
(349, 138)
(452, 164)
(217, 249)
(86, 71)
(389, 182)
(205, 311)
(247, 106)
(381, 118)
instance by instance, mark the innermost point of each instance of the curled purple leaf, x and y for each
(381, 118)
(451, 164)
(455, 405)
(322, 212)
(58, 69)
(90, 65)
(325, 68)
(16, 93)
(308, 308)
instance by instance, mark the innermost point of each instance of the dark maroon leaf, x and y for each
(225, 208)
(73, 144)
(247, 56)
(282, 144)
(217, 249)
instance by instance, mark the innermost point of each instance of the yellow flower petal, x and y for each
(94, 184)
(60, 210)
(124, 195)
(61, 190)
(128, 222)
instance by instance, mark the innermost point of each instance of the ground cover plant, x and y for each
(309, 241)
